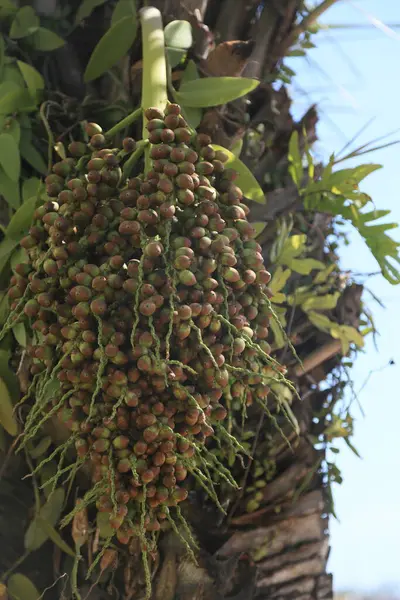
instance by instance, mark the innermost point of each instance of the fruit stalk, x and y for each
(154, 84)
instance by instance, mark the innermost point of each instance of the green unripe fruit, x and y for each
(188, 278)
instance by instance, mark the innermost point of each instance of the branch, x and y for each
(310, 19)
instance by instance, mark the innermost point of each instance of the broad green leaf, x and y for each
(320, 320)
(20, 587)
(19, 256)
(3, 447)
(258, 227)
(6, 249)
(35, 535)
(279, 339)
(7, 8)
(32, 156)
(279, 279)
(11, 73)
(9, 156)
(175, 56)
(114, 44)
(190, 73)
(9, 189)
(45, 40)
(327, 302)
(178, 34)
(19, 332)
(56, 537)
(21, 220)
(31, 188)
(294, 156)
(2, 53)
(7, 418)
(15, 100)
(25, 23)
(236, 149)
(278, 298)
(41, 447)
(322, 276)
(214, 91)
(245, 180)
(14, 129)
(192, 115)
(33, 78)
(86, 8)
(350, 334)
(123, 8)
(304, 266)
(293, 247)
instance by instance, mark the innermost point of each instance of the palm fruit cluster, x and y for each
(148, 302)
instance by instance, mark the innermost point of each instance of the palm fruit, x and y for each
(148, 300)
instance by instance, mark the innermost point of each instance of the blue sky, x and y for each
(354, 76)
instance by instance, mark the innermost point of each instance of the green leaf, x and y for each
(7, 375)
(114, 44)
(41, 447)
(245, 180)
(7, 8)
(178, 34)
(322, 276)
(352, 448)
(19, 256)
(31, 188)
(25, 23)
(304, 266)
(33, 78)
(19, 332)
(35, 535)
(55, 537)
(21, 220)
(6, 248)
(192, 115)
(9, 156)
(7, 418)
(190, 73)
(293, 247)
(14, 129)
(327, 302)
(123, 8)
(45, 40)
(2, 54)
(320, 321)
(175, 56)
(32, 156)
(258, 227)
(294, 156)
(214, 91)
(86, 8)
(15, 100)
(279, 280)
(20, 587)
(9, 189)
(279, 339)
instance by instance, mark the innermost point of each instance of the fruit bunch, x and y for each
(148, 303)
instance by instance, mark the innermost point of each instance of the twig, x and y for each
(309, 20)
